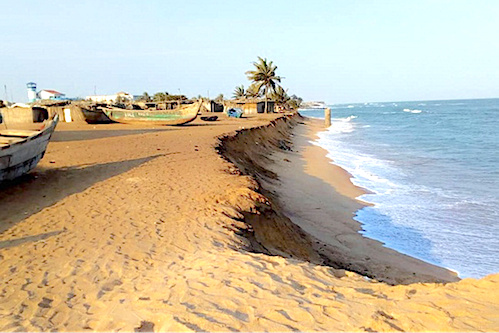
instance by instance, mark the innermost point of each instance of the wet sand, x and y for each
(150, 229)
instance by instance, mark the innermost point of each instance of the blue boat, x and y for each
(235, 112)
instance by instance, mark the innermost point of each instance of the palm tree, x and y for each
(253, 91)
(264, 76)
(280, 96)
(239, 92)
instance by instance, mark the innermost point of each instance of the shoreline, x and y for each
(317, 198)
(163, 234)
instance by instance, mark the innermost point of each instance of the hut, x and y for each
(216, 107)
(250, 106)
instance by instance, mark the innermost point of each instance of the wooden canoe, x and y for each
(21, 150)
(182, 115)
(95, 116)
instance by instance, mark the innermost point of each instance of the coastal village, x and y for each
(161, 212)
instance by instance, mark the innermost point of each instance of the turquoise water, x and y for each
(433, 169)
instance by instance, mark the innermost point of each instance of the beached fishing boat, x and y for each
(235, 112)
(179, 116)
(94, 115)
(21, 150)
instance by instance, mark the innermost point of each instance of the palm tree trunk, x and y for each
(266, 106)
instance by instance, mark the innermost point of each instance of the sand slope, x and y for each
(122, 228)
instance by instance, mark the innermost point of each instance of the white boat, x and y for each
(313, 105)
(21, 150)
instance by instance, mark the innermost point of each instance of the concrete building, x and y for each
(51, 94)
(123, 96)
(31, 91)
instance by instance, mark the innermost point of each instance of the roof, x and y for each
(52, 92)
(248, 100)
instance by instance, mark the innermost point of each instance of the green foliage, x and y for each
(145, 97)
(219, 98)
(239, 92)
(159, 97)
(264, 75)
(295, 102)
(284, 101)
(253, 91)
(165, 96)
(280, 96)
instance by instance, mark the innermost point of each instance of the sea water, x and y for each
(432, 168)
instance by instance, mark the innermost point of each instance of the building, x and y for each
(118, 97)
(51, 94)
(31, 91)
(250, 106)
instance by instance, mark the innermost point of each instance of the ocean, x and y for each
(432, 168)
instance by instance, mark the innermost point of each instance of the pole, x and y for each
(327, 117)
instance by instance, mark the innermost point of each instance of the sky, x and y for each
(332, 51)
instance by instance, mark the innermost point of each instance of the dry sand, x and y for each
(124, 228)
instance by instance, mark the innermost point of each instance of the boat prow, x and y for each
(21, 150)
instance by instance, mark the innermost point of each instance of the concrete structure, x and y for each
(50, 94)
(31, 91)
(123, 96)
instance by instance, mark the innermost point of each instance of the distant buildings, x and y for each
(43, 94)
(118, 97)
(51, 94)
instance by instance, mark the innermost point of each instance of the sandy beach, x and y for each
(235, 225)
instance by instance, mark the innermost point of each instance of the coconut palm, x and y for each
(239, 92)
(280, 96)
(264, 76)
(253, 91)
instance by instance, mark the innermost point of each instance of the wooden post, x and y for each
(327, 117)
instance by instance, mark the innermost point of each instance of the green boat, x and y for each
(179, 116)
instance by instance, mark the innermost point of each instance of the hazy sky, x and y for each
(336, 51)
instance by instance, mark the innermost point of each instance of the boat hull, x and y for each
(180, 116)
(95, 116)
(23, 154)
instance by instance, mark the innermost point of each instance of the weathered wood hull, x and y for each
(20, 151)
(95, 116)
(183, 115)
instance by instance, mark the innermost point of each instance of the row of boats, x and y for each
(21, 150)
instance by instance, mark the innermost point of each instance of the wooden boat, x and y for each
(235, 112)
(209, 118)
(21, 150)
(94, 115)
(179, 116)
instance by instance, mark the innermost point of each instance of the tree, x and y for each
(264, 76)
(280, 96)
(295, 102)
(145, 97)
(219, 98)
(253, 91)
(239, 92)
(160, 97)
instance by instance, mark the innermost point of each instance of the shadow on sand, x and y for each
(64, 136)
(29, 194)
